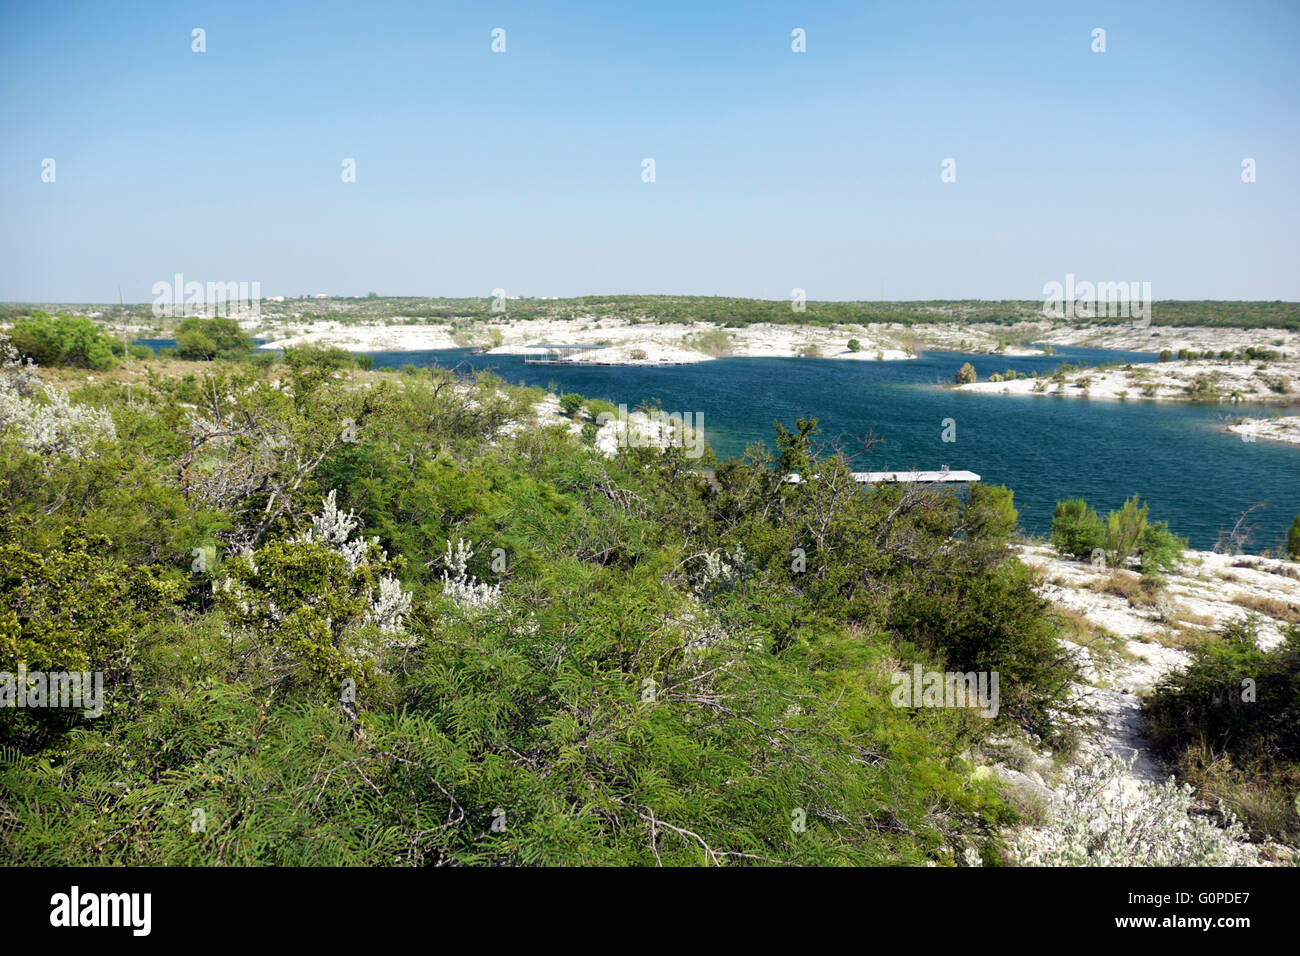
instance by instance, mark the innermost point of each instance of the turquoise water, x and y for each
(1195, 475)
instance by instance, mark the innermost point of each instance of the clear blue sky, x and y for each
(522, 170)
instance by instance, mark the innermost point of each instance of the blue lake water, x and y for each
(1177, 456)
(1194, 474)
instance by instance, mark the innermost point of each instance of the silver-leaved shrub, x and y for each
(1105, 817)
(53, 426)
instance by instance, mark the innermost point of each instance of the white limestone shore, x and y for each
(1284, 429)
(1274, 381)
(647, 343)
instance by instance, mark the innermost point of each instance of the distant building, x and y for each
(321, 295)
(275, 298)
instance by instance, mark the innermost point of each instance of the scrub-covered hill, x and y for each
(303, 613)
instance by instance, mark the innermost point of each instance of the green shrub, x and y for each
(1293, 540)
(608, 698)
(994, 622)
(1160, 549)
(966, 374)
(63, 340)
(1124, 531)
(598, 406)
(991, 514)
(331, 357)
(1231, 723)
(1077, 530)
(714, 342)
(324, 600)
(201, 339)
(72, 607)
(571, 404)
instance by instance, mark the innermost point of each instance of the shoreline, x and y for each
(1284, 429)
(679, 341)
(628, 342)
(1204, 380)
(621, 342)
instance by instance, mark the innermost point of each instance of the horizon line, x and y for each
(610, 295)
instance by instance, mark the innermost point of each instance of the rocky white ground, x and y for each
(1137, 338)
(650, 343)
(631, 354)
(1209, 590)
(362, 325)
(683, 342)
(1285, 429)
(1275, 381)
(612, 435)
(654, 343)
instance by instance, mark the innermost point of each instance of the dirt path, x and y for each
(1210, 590)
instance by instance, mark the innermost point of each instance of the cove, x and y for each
(1177, 456)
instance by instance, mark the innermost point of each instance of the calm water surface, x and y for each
(1194, 474)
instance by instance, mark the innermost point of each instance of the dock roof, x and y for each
(543, 345)
(919, 477)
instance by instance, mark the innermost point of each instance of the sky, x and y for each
(773, 170)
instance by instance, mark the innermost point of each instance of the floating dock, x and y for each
(945, 476)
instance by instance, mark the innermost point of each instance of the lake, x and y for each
(1194, 474)
(1177, 456)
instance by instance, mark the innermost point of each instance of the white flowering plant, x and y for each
(323, 604)
(17, 374)
(463, 589)
(723, 570)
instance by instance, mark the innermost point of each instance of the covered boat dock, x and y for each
(548, 354)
